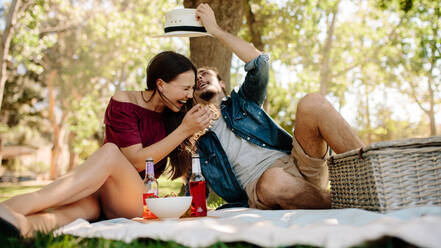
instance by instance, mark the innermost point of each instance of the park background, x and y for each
(377, 61)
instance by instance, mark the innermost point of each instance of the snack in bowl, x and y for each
(169, 207)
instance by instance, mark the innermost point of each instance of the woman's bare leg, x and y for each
(87, 208)
(107, 168)
(46, 221)
(121, 196)
(81, 182)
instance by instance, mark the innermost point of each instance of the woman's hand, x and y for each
(197, 119)
(206, 16)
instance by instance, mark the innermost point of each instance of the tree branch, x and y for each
(414, 95)
(374, 53)
(10, 22)
(56, 29)
(324, 65)
(256, 36)
(25, 7)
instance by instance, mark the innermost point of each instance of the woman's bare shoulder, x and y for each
(125, 96)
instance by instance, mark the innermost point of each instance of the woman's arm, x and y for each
(197, 119)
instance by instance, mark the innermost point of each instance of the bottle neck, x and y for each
(195, 166)
(149, 169)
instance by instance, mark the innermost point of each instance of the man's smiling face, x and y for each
(208, 85)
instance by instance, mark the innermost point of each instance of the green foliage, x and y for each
(22, 115)
(98, 47)
(94, 47)
(377, 44)
(404, 5)
(22, 96)
(86, 125)
(293, 33)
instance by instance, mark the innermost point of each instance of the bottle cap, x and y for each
(195, 155)
(149, 159)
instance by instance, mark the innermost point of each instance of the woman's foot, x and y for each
(13, 224)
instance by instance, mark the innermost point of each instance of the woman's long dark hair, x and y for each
(167, 66)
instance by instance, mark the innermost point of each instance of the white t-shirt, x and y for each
(248, 160)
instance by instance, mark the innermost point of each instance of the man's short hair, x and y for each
(211, 68)
(216, 71)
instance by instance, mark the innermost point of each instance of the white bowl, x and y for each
(169, 207)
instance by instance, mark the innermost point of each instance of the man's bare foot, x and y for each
(17, 220)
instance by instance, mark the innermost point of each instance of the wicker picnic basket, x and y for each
(388, 175)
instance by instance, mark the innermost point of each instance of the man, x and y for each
(246, 158)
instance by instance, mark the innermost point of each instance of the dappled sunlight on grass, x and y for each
(9, 190)
(166, 186)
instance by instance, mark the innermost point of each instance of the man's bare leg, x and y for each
(280, 190)
(318, 124)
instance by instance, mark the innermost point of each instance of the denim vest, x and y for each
(244, 116)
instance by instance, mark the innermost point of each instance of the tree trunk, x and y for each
(368, 114)
(6, 41)
(4, 50)
(253, 26)
(256, 37)
(1, 151)
(207, 51)
(56, 147)
(430, 83)
(325, 71)
(431, 111)
(72, 155)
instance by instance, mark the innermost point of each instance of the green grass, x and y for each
(9, 191)
(48, 240)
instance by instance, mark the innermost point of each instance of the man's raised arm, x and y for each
(244, 50)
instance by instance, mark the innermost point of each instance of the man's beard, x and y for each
(207, 95)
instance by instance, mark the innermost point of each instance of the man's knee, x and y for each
(313, 103)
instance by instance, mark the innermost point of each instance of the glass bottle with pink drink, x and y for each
(151, 187)
(197, 189)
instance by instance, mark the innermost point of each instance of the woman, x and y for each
(108, 183)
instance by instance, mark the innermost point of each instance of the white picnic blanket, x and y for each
(419, 226)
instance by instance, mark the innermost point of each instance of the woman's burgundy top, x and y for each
(129, 124)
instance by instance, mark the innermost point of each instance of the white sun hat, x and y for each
(182, 23)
